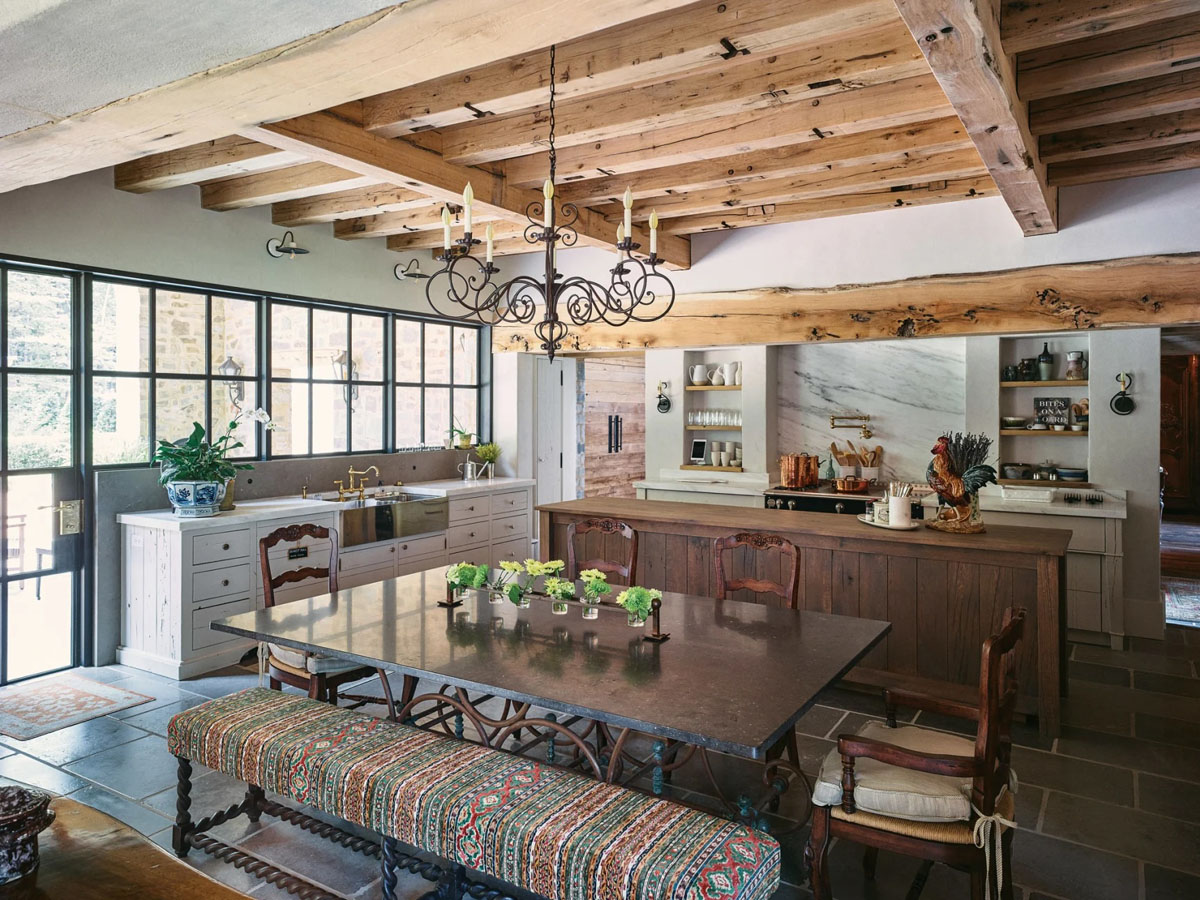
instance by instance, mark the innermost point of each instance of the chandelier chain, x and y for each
(553, 88)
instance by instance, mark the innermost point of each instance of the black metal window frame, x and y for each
(425, 385)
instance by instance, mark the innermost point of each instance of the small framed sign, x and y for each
(1052, 410)
(699, 451)
(297, 553)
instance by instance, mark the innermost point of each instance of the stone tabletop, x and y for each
(733, 676)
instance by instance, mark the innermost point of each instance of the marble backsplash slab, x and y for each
(913, 390)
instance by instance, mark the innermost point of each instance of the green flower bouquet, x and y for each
(638, 602)
(560, 590)
(595, 588)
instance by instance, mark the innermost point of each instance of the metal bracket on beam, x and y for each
(477, 112)
(730, 50)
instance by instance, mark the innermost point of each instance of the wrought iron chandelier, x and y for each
(466, 289)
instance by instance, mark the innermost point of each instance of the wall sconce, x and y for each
(230, 370)
(284, 246)
(412, 270)
(1121, 403)
(343, 370)
(664, 402)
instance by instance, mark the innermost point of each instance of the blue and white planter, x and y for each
(195, 499)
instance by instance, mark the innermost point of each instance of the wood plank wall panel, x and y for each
(902, 613)
(873, 601)
(614, 386)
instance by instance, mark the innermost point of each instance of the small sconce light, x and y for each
(412, 270)
(230, 370)
(343, 370)
(284, 246)
(664, 402)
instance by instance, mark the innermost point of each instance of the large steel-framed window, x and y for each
(437, 382)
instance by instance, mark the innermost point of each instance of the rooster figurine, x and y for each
(957, 471)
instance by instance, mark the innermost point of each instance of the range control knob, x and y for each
(839, 507)
(791, 504)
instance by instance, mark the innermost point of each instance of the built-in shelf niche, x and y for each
(1020, 445)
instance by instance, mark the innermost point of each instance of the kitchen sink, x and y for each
(390, 514)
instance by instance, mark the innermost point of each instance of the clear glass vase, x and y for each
(559, 607)
(634, 620)
(524, 602)
(591, 611)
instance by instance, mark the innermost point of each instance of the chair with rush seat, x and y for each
(626, 570)
(320, 675)
(936, 796)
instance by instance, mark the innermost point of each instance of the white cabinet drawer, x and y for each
(358, 577)
(516, 550)
(221, 582)
(458, 536)
(408, 565)
(202, 617)
(207, 548)
(509, 501)
(422, 546)
(510, 527)
(468, 508)
(367, 558)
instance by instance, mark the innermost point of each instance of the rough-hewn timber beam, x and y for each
(221, 158)
(305, 180)
(653, 49)
(1126, 165)
(849, 112)
(378, 198)
(432, 240)
(423, 219)
(1105, 140)
(325, 137)
(825, 207)
(1030, 24)
(880, 55)
(384, 51)
(1144, 291)
(961, 40)
(1157, 96)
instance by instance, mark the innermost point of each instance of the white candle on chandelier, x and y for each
(548, 191)
(468, 201)
(446, 227)
(629, 212)
(491, 234)
(653, 231)
(620, 234)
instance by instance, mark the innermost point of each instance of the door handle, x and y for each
(70, 516)
(610, 434)
(620, 433)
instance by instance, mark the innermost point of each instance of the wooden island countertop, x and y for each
(943, 593)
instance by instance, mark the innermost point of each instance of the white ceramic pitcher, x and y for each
(729, 370)
(698, 374)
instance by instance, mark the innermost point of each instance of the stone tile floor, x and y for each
(1108, 811)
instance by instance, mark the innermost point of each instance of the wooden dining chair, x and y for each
(626, 570)
(759, 542)
(936, 796)
(321, 675)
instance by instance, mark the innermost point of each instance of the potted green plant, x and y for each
(560, 590)
(460, 436)
(196, 470)
(595, 588)
(637, 602)
(488, 454)
(466, 576)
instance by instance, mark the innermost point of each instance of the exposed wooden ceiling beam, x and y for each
(1031, 24)
(1127, 165)
(327, 138)
(810, 156)
(1105, 140)
(957, 36)
(952, 165)
(1155, 49)
(378, 198)
(847, 204)
(654, 49)
(1145, 291)
(384, 51)
(882, 54)
(1155, 96)
(305, 180)
(423, 219)
(221, 158)
(849, 112)
(432, 240)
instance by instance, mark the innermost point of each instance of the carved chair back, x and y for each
(759, 542)
(997, 701)
(626, 570)
(292, 533)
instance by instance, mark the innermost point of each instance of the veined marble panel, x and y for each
(913, 390)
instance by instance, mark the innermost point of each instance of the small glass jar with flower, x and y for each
(637, 602)
(595, 588)
(560, 591)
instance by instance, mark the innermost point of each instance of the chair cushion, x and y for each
(940, 832)
(894, 791)
(554, 832)
(312, 663)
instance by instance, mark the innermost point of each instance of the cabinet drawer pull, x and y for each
(391, 549)
(224, 546)
(404, 546)
(224, 582)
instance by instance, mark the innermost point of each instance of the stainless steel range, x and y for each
(826, 500)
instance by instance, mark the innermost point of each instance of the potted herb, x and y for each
(464, 575)
(510, 584)
(195, 470)
(638, 602)
(488, 454)
(461, 436)
(595, 587)
(560, 590)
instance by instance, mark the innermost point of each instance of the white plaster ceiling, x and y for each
(59, 57)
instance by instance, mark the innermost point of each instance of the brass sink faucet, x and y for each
(362, 481)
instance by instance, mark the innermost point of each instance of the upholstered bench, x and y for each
(531, 825)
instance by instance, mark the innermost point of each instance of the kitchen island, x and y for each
(943, 593)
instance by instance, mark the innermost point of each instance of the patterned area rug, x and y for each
(1183, 600)
(40, 707)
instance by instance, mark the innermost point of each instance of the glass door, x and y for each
(40, 481)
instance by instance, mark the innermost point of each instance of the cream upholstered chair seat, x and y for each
(310, 663)
(881, 789)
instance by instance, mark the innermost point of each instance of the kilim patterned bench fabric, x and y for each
(554, 832)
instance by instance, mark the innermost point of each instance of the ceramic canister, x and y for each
(23, 813)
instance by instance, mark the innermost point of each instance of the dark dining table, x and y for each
(733, 677)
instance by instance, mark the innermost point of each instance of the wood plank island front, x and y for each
(943, 593)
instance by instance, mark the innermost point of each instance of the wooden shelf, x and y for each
(1044, 482)
(713, 427)
(1049, 432)
(712, 387)
(1034, 384)
(712, 468)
